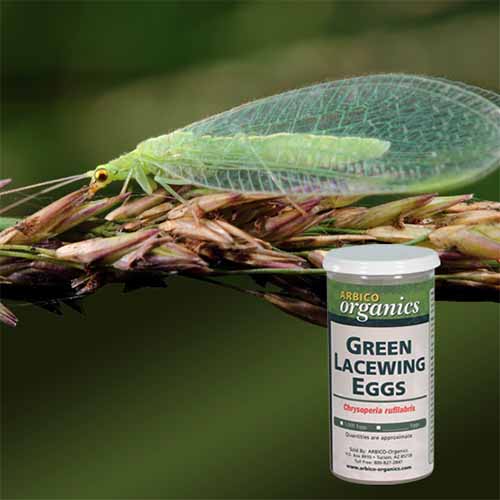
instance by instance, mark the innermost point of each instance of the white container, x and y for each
(381, 351)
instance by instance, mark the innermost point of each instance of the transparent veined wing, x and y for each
(438, 134)
(490, 95)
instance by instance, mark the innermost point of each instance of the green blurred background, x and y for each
(193, 391)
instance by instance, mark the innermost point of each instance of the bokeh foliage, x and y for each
(184, 392)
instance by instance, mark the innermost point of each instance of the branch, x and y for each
(75, 245)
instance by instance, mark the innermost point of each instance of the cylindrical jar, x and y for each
(381, 355)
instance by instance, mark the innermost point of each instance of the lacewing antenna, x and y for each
(64, 182)
(45, 183)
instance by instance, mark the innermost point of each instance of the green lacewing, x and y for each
(388, 133)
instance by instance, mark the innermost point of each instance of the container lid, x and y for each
(375, 260)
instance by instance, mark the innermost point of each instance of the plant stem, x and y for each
(332, 230)
(39, 257)
(417, 240)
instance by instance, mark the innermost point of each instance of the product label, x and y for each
(381, 380)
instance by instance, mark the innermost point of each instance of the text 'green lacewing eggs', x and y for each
(389, 133)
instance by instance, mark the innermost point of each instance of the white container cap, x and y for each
(376, 260)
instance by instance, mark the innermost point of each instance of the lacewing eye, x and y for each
(101, 175)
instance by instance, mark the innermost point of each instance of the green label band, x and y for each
(379, 305)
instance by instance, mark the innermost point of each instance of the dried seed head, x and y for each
(131, 258)
(157, 211)
(479, 276)
(7, 317)
(479, 205)
(330, 240)
(316, 258)
(391, 234)
(301, 309)
(251, 215)
(86, 211)
(482, 241)
(138, 206)
(205, 204)
(329, 202)
(392, 212)
(39, 226)
(265, 259)
(436, 205)
(202, 230)
(170, 256)
(290, 221)
(238, 235)
(242, 236)
(444, 238)
(469, 218)
(109, 249)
